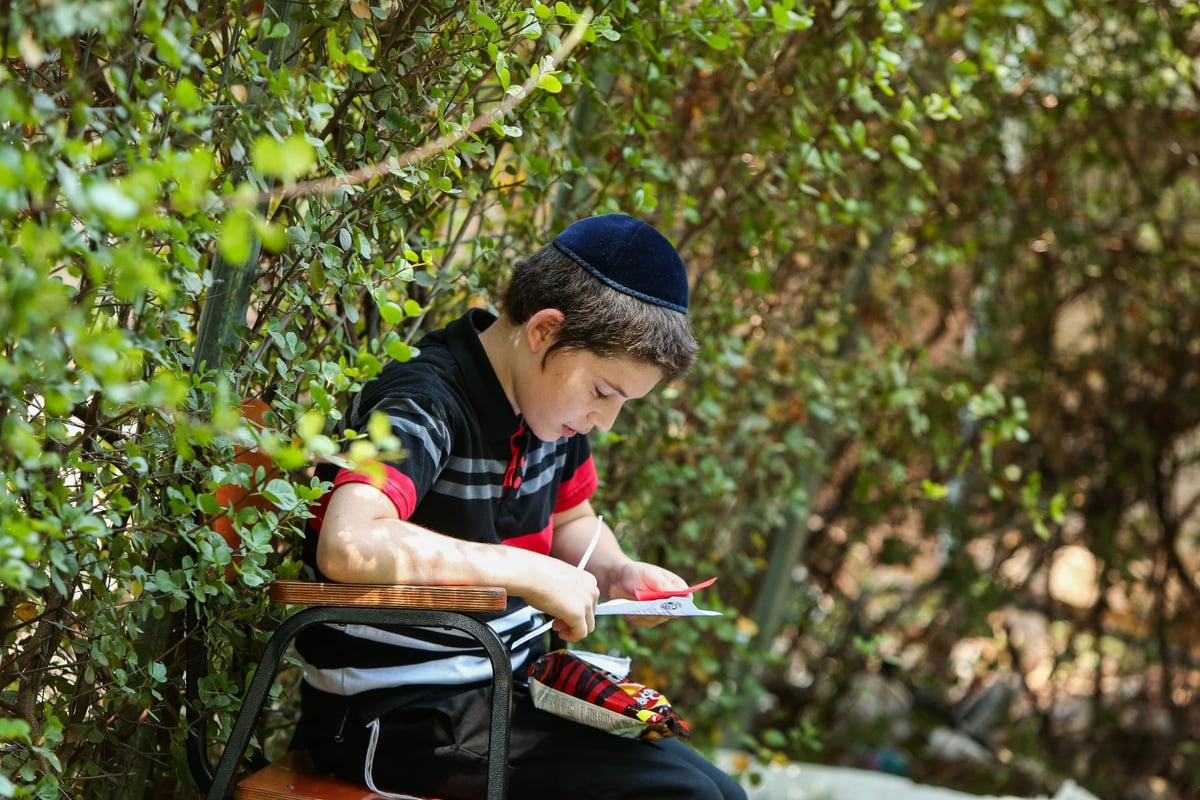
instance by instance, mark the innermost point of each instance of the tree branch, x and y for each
(437, 146)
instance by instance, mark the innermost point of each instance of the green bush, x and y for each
(891, 214)
(162, 261)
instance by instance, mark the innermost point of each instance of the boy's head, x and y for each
(621, 287)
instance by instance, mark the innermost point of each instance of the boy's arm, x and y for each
(618, 575)
(363, 540)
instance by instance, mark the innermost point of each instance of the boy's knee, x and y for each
(735, 791)
(727, 789)
(704, 790)
(711, 787)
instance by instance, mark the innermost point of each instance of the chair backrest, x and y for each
(233, 498)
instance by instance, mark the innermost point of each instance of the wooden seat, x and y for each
(294, 777)
(477, 599)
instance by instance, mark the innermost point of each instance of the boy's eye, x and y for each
(600, 393)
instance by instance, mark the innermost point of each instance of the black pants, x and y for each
(442, 752)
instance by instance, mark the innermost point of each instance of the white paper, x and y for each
(579, 710)
(617, 666)
(667, 607)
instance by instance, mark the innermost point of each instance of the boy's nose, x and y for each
(604, 418)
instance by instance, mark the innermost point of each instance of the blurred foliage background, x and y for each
(941, 445)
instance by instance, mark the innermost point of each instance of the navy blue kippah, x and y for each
(630, 256)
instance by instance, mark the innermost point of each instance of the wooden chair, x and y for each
(294, 777)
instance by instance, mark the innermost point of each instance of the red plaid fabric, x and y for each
(649, 713)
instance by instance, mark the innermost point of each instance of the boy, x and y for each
(495, 489)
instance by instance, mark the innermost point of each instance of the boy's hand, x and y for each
(567, 594)
(639, 576)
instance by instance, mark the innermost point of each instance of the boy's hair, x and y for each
(598, 318)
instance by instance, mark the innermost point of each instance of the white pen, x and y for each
(591, 548)
(545, 626)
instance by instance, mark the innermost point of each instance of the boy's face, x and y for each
(574, 391)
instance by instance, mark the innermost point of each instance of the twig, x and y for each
(439, 145)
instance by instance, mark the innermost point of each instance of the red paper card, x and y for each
(642, 594)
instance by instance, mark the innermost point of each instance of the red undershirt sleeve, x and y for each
(579, 486)
(397, 486)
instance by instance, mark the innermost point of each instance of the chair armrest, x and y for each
(362, 595)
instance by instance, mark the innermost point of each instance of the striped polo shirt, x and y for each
(471, 469)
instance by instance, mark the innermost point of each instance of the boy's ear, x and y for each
(541, 330)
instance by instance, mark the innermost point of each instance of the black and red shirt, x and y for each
(471, 469)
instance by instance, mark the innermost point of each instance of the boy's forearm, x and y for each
(364, 541)
(392, 551)
(355, 548)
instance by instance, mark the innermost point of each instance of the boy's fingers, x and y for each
(570, 633)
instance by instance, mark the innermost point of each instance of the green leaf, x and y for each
(186, 95)
(281, 494)
(108, 198)
(399, 350)
(390, 312)
(287, 159)
(717, 41)
(237, 241)
(310, 425)
(273, 237)
(359, 60)
(759, 280)
(14, 729)
(934, 491)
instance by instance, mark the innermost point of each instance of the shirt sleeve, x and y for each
(424, 435)
(398, 487)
